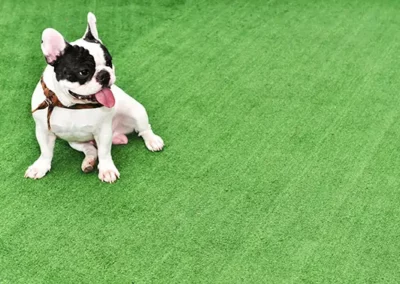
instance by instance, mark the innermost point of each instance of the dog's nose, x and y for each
(103, 77)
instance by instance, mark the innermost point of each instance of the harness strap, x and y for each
(52, 101)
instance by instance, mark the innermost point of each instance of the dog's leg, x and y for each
(132, 116)
(90, 155)
(107, 170)
(46, 140)
(141, 125)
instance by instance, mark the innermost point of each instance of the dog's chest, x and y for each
(78, 125)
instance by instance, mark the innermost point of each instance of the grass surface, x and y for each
(281, 120)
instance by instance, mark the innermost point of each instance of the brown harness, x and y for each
(52, 101)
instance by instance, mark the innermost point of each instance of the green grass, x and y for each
(282, 159)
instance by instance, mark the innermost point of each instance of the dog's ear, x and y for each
(53, 45)
(91, 33)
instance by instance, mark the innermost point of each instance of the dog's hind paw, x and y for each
(119, 139)
(88, 164)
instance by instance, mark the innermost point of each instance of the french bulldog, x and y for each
(77, 100)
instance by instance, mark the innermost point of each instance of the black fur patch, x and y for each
(75, 65)
(107, 56)
(89, 36)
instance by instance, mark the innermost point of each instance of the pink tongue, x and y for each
(105, 97)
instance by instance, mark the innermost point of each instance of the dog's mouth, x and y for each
(81, 97)
(104, 96)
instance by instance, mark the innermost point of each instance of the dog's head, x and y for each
(82, 68)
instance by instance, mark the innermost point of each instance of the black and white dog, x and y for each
(76, 100)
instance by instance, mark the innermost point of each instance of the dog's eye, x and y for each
(84, 72)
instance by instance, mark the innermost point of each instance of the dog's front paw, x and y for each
(108, 174)
(37, 170)
(154, 143)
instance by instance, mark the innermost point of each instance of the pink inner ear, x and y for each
(53, 44)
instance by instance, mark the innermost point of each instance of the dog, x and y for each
(76, 100)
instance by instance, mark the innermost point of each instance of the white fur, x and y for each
(91, 18)
(79, 127)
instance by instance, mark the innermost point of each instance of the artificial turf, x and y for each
(281, 123)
